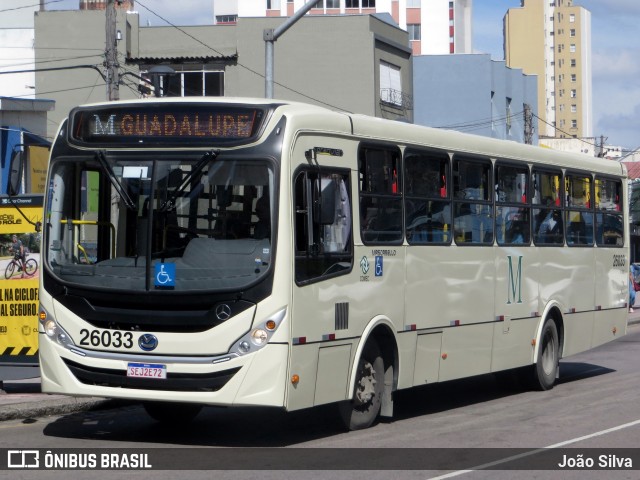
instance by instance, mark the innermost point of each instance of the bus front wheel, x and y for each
(172, 413)
(546, 367)
(364, 407)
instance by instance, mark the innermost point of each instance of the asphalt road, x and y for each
(594, 406)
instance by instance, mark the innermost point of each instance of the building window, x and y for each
(390, 84)
(572, 18)
(333, 3)
(574, 108)
(196, 84)
(368, 3)
(574, 123)
(226, 18)
(413, 3)
(573, 77)
(572, 32)
(574, 93)
(573, 62)
(508, 116)
(414, 31)
(352, 4)
(572, 48)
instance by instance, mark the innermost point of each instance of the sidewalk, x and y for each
(22, 399)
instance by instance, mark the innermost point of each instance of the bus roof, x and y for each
(314, 118)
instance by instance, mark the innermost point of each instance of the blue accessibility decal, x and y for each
(165, 275)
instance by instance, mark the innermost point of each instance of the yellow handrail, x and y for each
(96, 223)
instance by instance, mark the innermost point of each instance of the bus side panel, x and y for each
(428, 351)
(333, 373)
(612, 295)
(567, 277)
(452, 287)
(516, 304)
(466, 351)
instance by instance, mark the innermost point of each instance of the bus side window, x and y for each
(380, 195)
(513, 226)
(547, 208)
(579, 214)
(472, 201)
(323, 242)
(609, 217)
(427, 204)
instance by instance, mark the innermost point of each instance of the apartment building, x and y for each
(552, 39)
(435, 27)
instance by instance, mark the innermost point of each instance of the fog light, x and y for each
(244, 347)
(50, 328)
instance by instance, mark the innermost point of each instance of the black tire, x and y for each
(31, 267)
(546, 367)
(363, 409)
(172, 413)
(8, 273)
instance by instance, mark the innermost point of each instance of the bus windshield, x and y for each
(164, 221)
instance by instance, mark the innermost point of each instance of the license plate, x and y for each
(146, 370)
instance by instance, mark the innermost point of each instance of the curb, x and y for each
(50, 407)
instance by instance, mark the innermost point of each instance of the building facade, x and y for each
(553, 41)
(17, 49)
(499, 102)
(435, 27)
(374, 77)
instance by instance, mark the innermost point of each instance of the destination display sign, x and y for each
(165, 124)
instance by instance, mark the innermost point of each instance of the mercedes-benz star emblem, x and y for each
(223, 311)
(148, 342)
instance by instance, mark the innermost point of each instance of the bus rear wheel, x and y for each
(172, 413)
(546, 367)
(363, 409)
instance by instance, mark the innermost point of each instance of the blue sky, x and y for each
(615, 28)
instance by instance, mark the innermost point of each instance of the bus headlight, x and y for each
(52, 329)
(259, 335)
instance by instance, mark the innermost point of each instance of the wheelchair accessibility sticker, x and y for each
(165, 275)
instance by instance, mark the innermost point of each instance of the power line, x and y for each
(29, 6)
(238, 63)
(566, 133)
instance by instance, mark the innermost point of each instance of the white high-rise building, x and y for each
(436, 27)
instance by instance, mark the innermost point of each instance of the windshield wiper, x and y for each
(169, 203)
(102, 158)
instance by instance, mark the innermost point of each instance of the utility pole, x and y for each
(602, 140)
(270, 36)
(528, 124)
(111, 53)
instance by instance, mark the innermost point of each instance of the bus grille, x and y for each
(175, 382)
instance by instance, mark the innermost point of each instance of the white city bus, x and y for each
(242, 252)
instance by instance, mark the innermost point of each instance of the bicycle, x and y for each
(31, 267)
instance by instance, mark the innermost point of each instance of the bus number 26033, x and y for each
(105, 338)
(619, 261)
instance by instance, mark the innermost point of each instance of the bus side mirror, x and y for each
(15, 173)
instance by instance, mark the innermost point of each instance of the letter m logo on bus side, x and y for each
(514, 285)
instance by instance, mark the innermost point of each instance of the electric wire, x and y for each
(138, 2)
